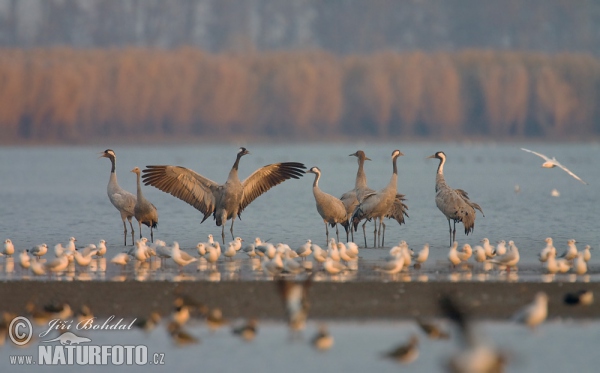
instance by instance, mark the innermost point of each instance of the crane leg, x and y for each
(231, 230)
(375, 234)
(125, 232)
(352, 233)
(326, 233)
(132, 232)
(454, 232)
(223, 233)
(365, 233)
(151, 235)
(337, 233)
(140, 224)
(383, 235)
(450, 228)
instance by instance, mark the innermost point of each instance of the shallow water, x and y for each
(555, 346)
(48, 194)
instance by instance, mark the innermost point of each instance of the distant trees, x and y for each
(65, 93)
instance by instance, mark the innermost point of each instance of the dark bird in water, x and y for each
(453, 203)
(323, 340)
(148, 323)
(476, 356)
(295, 300)
(579, 298)
(405, 353)
(248, 330)
(432, 330)
(225, 201)
(179, 336)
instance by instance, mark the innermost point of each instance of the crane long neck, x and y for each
(112, 161)
(361, 177)
(394, 179)
(139, 186)
(440, 169)
(234, 169)
(316, 182)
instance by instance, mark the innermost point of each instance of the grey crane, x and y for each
(119, 197)
(376, 205)
(453, 203)
(145, 212)
(224, 201)
(330, 208)
(351, 198)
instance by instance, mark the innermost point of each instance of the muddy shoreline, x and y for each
(329, 300)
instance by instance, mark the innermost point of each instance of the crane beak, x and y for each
(367, 159)
(430, 157)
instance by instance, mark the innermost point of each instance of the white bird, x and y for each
(465, 253)
(290, 265)
(319, 254)
(38, 268)
(555, 193)
(272, 266)
(119, 197)
(39, 250)
(571, 252)
(422, 256)
(510, 258)
(453, 255)
(24, 259)
(489, 249)
(345, 254)
(250, 249)
(101, 248)
(201, 248)
(140, 251)
(181, 257)
(120, 259)
(587, 255)
(9, 248)
(535, 313)
(554, 265)
(58, 264)
(59, 249)
(305, 250)
(353, 248)
(551, 163)
(230, 251)
(392, 266)
(332, 251)
(546, 250)
(333, 267)
(84, 259)
(163, 251)
(213, 252)
(267, 249)
(500, 248)
(579, 264)
(237, 243)
(479, 254)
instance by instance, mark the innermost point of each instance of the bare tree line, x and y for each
(66, 93)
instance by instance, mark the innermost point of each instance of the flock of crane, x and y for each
(226, 201)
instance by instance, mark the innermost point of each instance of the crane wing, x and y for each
(267, 177)
(184, 184)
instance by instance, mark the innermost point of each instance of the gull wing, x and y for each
(538, 154)
(569, 172)
(267, 177)
(184, 184)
